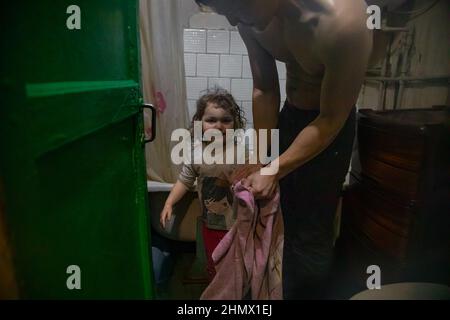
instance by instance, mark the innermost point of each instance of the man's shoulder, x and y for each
(346, 19)
(346, 27)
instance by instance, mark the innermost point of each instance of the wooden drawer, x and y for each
(404, 152)
(401, 182)
(394, 211)
(385, 225)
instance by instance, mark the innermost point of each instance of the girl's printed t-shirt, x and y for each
(214, 183)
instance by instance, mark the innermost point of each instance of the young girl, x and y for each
(217, 110)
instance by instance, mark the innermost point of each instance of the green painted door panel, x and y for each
(93, 53)
(72, 162)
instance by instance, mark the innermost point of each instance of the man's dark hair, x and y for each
(203, 2)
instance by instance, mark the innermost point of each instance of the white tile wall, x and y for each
(208, 65)
(246, 70)
(190, 64)
(203, 20)
(221, 82)
(237, 46)
(195, 86)
(282, 90)
(247, 107)
(192, 106)
(241, 89)
(281, 67)
(231, 66)
(217, 57)
(195, 40)
(218, 41)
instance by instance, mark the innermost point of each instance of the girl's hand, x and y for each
(261, 186)
(166, 214)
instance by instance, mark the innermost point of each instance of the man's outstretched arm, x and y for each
(345, 63)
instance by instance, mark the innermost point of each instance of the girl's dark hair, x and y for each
(223, 99)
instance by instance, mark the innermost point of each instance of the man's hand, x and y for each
(261, 186)
(243, 171)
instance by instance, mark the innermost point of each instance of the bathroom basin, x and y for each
(182, 225)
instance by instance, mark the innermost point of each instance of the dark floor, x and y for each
(181, 285)
(185, 284)
(180, 272)
(343, 285)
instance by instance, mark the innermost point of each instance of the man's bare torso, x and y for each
(298, 41)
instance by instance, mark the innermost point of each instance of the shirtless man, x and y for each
(326, 47)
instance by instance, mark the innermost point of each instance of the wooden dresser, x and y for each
(396, 211)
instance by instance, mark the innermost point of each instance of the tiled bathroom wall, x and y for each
(219, 57)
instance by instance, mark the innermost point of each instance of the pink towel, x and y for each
(250, 254)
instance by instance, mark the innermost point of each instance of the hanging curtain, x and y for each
(163, 82)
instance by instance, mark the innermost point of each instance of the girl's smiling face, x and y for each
(218, 118)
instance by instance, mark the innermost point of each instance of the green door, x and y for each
(71, 150)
